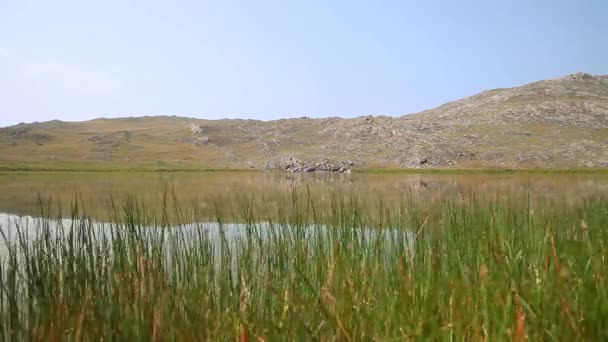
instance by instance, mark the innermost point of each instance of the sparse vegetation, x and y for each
(558, 124)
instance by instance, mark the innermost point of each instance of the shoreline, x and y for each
(7, 168)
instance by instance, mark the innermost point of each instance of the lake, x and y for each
(199, 196)
(275, 256)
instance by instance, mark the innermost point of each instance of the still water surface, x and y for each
(196, 197)
(194, 203)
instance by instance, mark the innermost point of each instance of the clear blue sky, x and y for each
(80, 59)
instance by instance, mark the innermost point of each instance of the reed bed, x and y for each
(498, 268)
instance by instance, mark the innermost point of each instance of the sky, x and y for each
(76, 60)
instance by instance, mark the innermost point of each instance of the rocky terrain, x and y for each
(559, 123)
(295, 165)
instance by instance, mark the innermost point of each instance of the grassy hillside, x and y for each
(561, 123)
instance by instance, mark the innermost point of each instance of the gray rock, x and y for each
(295, 165)
(200, 141)
(196, 129)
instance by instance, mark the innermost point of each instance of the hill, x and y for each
(559, 123)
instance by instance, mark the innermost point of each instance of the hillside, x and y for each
(559, 123)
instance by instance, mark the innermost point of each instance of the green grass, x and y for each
(99, 167)
(492, 268)
(597, 170)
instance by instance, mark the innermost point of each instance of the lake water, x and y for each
(16, 229)
(187, 197)
(263, 204)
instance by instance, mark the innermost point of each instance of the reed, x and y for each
(499, 268)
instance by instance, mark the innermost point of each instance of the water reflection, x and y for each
(200, 194)
(21, 230)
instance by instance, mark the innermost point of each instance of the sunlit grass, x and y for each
(492, 268)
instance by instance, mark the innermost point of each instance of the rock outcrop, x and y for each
(194, 128)
(558, 123)
(295, 165)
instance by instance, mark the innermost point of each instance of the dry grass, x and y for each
(567, 130)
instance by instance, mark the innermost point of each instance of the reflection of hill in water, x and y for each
(199, 194)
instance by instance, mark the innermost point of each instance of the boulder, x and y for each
(295, 165)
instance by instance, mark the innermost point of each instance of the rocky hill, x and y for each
(559, 123)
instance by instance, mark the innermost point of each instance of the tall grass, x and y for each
(469, 269)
